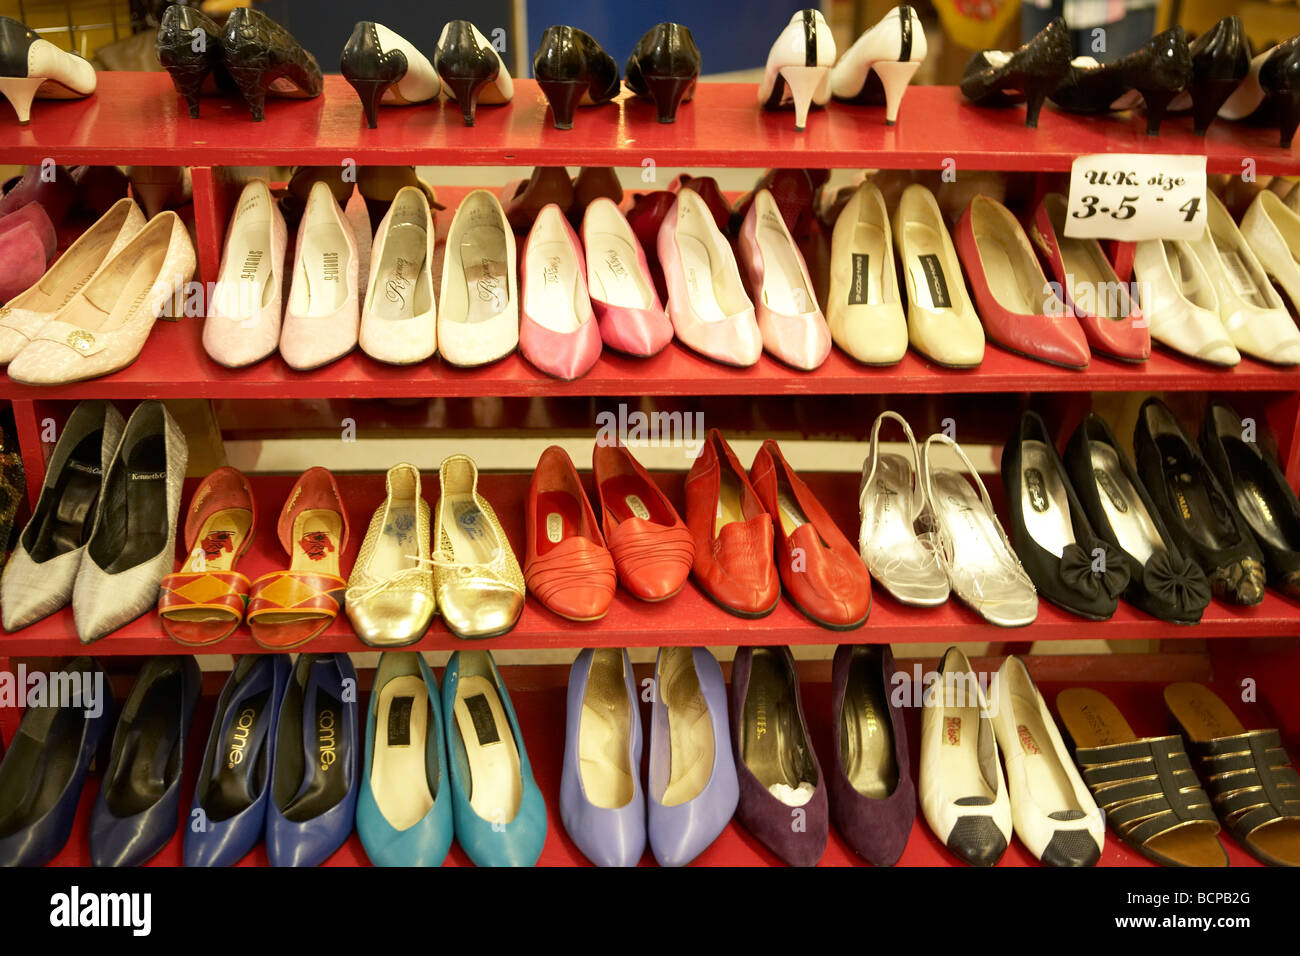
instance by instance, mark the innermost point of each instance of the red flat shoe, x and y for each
(566, 566)
(733, 534)
(1109, 316)
(820, 569)
(288, 608)
(1011, 293)
(204, 602)
(652, 546)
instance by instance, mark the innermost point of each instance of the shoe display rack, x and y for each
(137, 118)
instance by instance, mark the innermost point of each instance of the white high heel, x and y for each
(31, 67)
(1178, 299)
(895, 48)
(799, 66)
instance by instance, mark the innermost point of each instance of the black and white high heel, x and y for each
(881, 63)
(471, 69)
(31, 67)
(799, 64)
(383, 67)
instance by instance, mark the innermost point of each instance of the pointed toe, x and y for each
(977, 841)
(1071, 848)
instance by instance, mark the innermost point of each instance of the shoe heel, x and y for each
(1035, 94)
(370, 93)
(1157, 102)
(20, 91)
(668, 92)
(804, 81)
(894, 77)
(252, 84)
(1286, 105)
(563, 95)
(1206, 100)
(188, 81)
(466, 90)
(152, 197)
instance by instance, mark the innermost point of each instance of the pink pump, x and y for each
(623, 295)
(557, 328)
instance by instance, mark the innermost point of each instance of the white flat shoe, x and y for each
(963, 793)
(243, 323)
(478, 317)
(892, 503)
(1178, 299)
(322, 318)
(399, 322)
(865, 312)
(1052, 811)
(32, 67)
(982, 567)
(104, 326)
(941, 321)
(894, 48)
(1251, 310)
(798, 68)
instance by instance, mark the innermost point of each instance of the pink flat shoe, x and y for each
(323, 317)
(706, 299)
(791, 322)
(623, 294)
(557, 329)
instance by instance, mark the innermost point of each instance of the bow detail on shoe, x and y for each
(1176, 580)
(1092, 574)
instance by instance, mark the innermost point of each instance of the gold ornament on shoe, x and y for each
(81, 340)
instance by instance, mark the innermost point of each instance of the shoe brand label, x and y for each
(1258, 501)
(1110, 490)
(399, 721)
(84, 468)
(1027, 742)
(480, 712)
(637, 507)
(147, 475)
(397, 284)
(952, 731)
(551, 271)
(554, 527)
(317, 544)
(251, 262)
(217, 543)
(1243, 283)
(1037, 488)
(239, 735)
(937, 282)
(469, 519)
(614, 263)
(489, 277)
(330, 266)
(326, 751)
(1184, 509)
(760, 713)
(859, 288)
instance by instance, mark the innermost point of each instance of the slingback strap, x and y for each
(919, 491)
(1250, 779)
(1146, 787)
(204, 590)
(307, 592)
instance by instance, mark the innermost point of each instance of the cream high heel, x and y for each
(31, 67)
(894, 48)
(799, 67)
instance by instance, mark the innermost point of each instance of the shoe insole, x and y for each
(558, 517)
(1250, 481)
(398, 772)
(784, 289)
(690, 727)
(473, 540)
(220, 541)
(629, 496)
(866, 730)
(613, 272)
(246, 272)
(1044, 504)
(552, 293)
(149, 758)
(398, 546)
(890, 533)
(1190, 501)
(40, 761)
(321, 286)
(731, 502)
(1092, 720)
(977, 547)
(119, 302)
(311, 751)
(65, 523)
(604, 731)
(1133, 526)
(1091, 278)
(1245, 279)
(70, 272)
(1048, 781)
(1008, 278)
(239, 764)
(697, 270)
(495, 783)
(959, 750)
(925, 261)
(772, 740)
(870, 256)
(484, 263)
(316, 534)
(400, 287)
(1189, 277)
(145, 474)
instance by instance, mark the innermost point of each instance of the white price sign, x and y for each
(1135, 196)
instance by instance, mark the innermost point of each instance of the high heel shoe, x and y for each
(557, 327)
(158, 188)
(257, 52)
(572, 69)
(323, 316)
(386, 68)
(188, 46)
(998, 78)
(471, 69)
(1157, 71)
(798, 68)
(399, 318)
(664, 66)
(1220, 61)
(478, 315)
(865, 311)
(1178, 299)
(881, 63)
(31, 67)
(623, 297)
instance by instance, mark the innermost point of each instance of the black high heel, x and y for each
(257, 51)
(1027, 75)
(189, 68)
(1158, 70)
(1220, 61)
(1279, 79)
(467, 64)
(571, 68)
(370, 69)
(664, 67)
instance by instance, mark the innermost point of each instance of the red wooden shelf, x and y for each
(138, 118)
(538, 694)
(689, 618)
